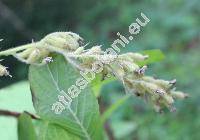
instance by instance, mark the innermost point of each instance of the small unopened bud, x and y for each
(33, 57)
(179, 95)
(129, 66)
(150, 88)
(138, 56)
(4, 71)
(1, 40)
(94, 50)
(79, 50)
(65, 40)
(24, 54)
(162, 83)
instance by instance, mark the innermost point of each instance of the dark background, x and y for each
(174, 29)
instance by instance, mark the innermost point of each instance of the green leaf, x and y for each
(114, 107)
(16, 97)
(26, 130)
(98, 83)
(155, 55)
(49, 131)
(47, 82)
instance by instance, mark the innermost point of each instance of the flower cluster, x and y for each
(124, 67)
(38, 52)
(160, 93)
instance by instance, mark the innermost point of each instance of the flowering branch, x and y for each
(124, 67)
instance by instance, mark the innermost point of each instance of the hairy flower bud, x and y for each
(64, 40)
(179, 94)
(79, 50)
(133, 57)
(34, 56)
(94, 50)
(60, 42)
(129, 66)
(24, 54)
(138, 56)
(162, 83)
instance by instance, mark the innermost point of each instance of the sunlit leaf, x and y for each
(26, 130)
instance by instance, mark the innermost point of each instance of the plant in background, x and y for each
(54, 65)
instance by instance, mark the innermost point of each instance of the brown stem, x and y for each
(15, 114)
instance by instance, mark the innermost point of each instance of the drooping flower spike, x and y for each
(160, 93)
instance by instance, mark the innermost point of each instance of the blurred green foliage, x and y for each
(174, 28)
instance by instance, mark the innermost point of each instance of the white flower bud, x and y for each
(34, 56)
(179, 94)
(150, 88)
(94, 50)
(162, 83)
(79, 50)
(65, 40)
(138, 56)
(24, 54)
(129, 66)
